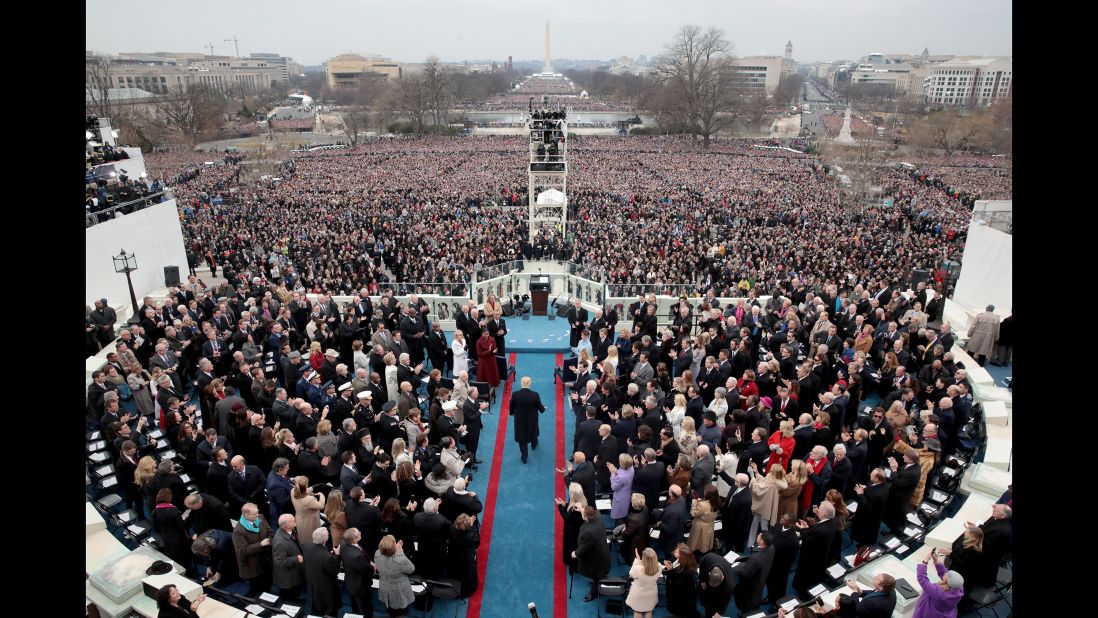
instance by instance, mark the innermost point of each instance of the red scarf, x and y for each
(806, 494)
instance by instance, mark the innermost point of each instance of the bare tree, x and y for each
(440, 90)
(949, 130)
(412, 100)
(697, 69)
(355, 121)
(755, 105)
(98, 81)
(191, 114)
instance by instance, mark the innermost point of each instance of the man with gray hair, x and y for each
(279, 488)
(815, 549)
(841, 471)
(289, 570)
(433, 533)
(322, 575)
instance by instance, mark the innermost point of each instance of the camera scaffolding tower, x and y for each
(548, 177)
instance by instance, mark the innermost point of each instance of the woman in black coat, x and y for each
(635, 536)
(170, 529)
(171, 604)
(682, 595)
(463, 554)
(572, 514)
(966, 556)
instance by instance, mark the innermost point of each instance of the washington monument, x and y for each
(548, 68)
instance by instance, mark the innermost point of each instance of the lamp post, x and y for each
(127, 263)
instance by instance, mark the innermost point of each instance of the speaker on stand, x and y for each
(171, 276)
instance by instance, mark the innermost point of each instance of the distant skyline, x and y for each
(411, 30)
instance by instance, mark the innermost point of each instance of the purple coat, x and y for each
(936, 602)
(621, 482)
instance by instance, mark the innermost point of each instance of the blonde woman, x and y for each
(643, 594)
(391, 385)
(572, 514)
(337, 515)
(677, 413)
(461, 353)
(789, 498)
(688, 438)
(719, 405)
(765, 492)
(400, 452)
(781, 444)
(326, 441)
(307, 507)
(612, 358)
(704, 511)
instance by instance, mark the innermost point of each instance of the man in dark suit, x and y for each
(592, 553)
(204, 450)
(753, 573)
(445, 425)
(587, 437)
(758, 451)
(650, 478)
(736, 512)
(880, 435)
(786, 547)
(904, 481)
(217, 476)
(364, 515)
(715, 584)
(471, 411)
(816, 544)
(246, 484)
(695, 407)
(433, 532)
(207, 513)
(525, 407)
(582, 472)
(671, 520)
(607, 454)
(785, 407)
(359, 571)
(349, 477)
(856, 452)
(877, 603)
(866, 527)
(841, 470)
(321, 575)
(578, 320)
(437, 347)
(279, 488)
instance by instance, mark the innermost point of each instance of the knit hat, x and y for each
(954, 580)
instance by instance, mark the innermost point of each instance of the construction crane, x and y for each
(236, 43)
(209, 47)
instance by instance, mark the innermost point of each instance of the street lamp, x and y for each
(127, 263)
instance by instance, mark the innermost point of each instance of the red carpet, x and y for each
(560, 576)
(490, 500)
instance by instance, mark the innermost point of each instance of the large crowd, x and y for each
(651, 210)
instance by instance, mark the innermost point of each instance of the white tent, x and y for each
(551, 196)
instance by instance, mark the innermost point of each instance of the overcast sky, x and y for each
(311, 31)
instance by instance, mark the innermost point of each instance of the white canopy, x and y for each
(551, 196)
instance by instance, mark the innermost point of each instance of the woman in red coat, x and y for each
(781, 445)
(487, 370)
(747, 388)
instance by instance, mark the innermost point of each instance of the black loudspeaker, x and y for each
(562, 310)
(171, 276)
(508, 308)
(920, 275)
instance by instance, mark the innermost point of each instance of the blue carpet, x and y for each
(538, 334)
(521, 560)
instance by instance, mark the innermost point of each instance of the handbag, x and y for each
(862, 555)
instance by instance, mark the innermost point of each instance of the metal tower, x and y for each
(548, 190)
